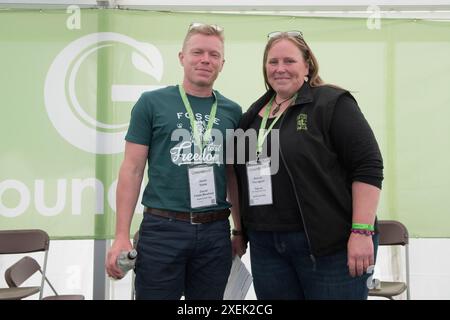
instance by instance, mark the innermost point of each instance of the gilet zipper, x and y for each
(312, 257)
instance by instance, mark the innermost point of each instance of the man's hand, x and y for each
(111, 259)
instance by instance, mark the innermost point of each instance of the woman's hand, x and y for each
(238, 245)
(360, 254)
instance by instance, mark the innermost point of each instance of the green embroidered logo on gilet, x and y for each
(302, 122)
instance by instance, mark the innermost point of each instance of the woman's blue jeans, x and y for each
(282, 268)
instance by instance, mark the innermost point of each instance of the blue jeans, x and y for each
(176, 258)
(282, 268)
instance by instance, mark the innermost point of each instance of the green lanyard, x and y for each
(263, 135)
(212, 116)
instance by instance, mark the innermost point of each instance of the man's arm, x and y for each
(127, 193)
(238, 243)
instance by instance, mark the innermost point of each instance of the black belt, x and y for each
(192, 217)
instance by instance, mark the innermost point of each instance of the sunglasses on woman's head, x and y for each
(293, 33)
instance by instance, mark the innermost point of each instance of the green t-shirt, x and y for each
(159, 117)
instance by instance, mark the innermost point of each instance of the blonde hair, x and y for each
(204, 29)
(308, 56)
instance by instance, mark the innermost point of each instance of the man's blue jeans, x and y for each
(176, 258)
(282, 268)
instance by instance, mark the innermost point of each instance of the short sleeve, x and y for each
(141, 123)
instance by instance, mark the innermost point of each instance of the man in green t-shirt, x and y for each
(184, 239)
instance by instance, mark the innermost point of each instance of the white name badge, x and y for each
(259, 182)
(202, 186)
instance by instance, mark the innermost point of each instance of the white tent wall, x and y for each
(70, 264)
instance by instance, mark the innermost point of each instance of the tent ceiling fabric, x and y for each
(252, 5)
(396, 9)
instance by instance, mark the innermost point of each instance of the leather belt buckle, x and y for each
(191, 218)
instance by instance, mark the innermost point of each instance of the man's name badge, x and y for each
(202, 186)
(259, 182)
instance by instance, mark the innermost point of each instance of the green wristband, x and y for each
(362, 226)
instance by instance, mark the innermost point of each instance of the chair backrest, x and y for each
(20, 271)
(23, 241)
(392, 233)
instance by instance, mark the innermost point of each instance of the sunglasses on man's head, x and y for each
(293, 33)
(195, 25)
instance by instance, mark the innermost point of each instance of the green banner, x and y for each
(69, 80)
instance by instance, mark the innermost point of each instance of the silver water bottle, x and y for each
(126, 260)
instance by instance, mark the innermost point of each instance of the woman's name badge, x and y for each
(259, 182)
(202, 186)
